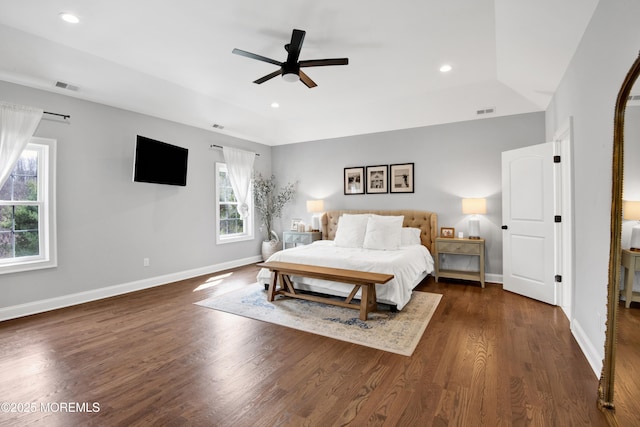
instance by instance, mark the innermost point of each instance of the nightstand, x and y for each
(296, 238)
(474, 247)
(631, 264)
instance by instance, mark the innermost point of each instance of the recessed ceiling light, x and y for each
(275, 105)
(445, 68)
(69, 17)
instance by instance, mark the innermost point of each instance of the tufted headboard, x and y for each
(425, 221)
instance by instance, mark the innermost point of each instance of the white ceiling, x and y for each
(173, 59)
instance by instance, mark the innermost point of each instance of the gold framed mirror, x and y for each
(607, 377)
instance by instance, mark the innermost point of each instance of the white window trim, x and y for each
(47, 221)
(249, 234)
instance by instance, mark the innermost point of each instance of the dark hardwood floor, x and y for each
(488, 357)
(626, 389)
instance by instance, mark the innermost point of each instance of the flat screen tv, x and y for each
(159, 163)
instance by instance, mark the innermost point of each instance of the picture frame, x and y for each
(377, 179)
(447, 232)
(354, 180)
(401, 178)
(294, 224)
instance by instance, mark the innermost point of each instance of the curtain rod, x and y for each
(64, 116)
(221, 147)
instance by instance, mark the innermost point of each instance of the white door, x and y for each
(528, 200)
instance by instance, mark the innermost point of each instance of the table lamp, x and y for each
(316, 207)
(474, 207)
(631, 212)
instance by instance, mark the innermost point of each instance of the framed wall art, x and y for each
(354, 180)
(401, 177)
(377, 179)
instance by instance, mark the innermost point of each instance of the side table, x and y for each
(296, 238)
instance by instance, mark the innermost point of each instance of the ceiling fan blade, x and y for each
(297, 38)
(268, 77)
(322, 62)
(258, 57)
(307, 81)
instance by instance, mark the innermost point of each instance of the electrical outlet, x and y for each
(145, 262)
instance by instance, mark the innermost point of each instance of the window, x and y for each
(230, 227)
(27, 210)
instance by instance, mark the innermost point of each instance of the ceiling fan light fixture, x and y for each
(291, 77)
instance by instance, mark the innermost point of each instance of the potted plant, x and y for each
(269, 203)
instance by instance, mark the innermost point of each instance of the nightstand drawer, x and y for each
(631, 259)
(462, 248)
(296, 238)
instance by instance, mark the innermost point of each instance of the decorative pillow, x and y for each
(383, 232)
(351, 230)
(410, 236)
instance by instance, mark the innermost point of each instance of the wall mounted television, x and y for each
(159, 163)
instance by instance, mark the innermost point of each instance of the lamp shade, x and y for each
(315, 206)
(631, 210)
(474, 206)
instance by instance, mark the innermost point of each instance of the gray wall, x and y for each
(106, 223)
(587, 93)
(452, 161)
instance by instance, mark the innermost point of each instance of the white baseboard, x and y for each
(493, 278)
(41, 306)
(591, 353)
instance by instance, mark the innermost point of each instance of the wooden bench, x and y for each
(359, 279)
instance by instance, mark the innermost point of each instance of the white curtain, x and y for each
(240, 169)
(17, 125)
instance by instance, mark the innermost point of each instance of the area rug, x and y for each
(397, 332)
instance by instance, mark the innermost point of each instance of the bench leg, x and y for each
(271, 294)
(368, 302)
(286, 283)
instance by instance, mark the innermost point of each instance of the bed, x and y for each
(379, 250)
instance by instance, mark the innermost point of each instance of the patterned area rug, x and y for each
(394, 332)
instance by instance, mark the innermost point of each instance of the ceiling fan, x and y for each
(290, 70)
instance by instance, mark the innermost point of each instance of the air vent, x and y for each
(67, 86)
(485, 111)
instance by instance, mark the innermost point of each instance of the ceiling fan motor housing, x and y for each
(291, 72)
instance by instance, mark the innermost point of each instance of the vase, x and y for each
(270, 247)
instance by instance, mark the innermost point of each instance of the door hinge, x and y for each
(558, 278)
(556, 159)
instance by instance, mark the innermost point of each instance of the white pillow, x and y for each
(383, 232)
(410, 236)
(351, 230)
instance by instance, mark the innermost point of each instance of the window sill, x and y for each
(27, 266)
(242, 238)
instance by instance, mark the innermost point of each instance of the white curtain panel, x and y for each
(17, 125)
(240, 169)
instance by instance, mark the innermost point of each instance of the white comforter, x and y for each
(407, 264)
